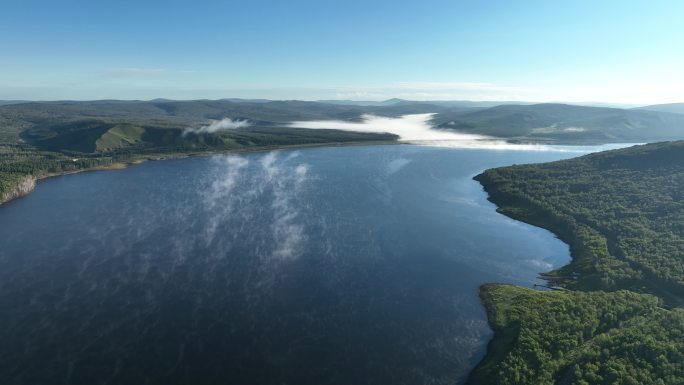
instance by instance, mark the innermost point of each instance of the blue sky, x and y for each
(607, 51)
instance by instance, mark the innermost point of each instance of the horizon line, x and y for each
(369, 100)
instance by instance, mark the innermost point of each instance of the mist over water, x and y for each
(321, 266)
(236, 197)
(418, 129)
(408, 127)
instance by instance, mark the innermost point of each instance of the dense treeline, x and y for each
(574, 337)
(19, 161)
(622, 212)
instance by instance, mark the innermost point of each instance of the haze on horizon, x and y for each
(613, 51)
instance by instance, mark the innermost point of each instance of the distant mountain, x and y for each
(460, 103)
(8, 102)
(441, 103)
(676, 108)
(568, 123)
(238, 100)
(56, 123)
(175, 112)
(362, 103)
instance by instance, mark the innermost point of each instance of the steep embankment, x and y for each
(23, 186)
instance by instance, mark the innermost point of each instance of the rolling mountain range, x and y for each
(567, 123)
(677, 108)
(96, 126)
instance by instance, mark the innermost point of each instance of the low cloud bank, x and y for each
(418, 129)
(408, 127)
(498, 144)
(218, 125)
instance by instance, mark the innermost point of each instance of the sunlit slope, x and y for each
(120, 136)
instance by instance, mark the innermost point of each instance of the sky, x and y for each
(627, 51)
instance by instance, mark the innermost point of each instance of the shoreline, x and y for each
(516, 208)
(511, 206)
(141, 158)
(33, 181)
(591, 243)
(498, 340)
(520, 209)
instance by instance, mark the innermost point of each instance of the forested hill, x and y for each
(548, 122)
(584, 338)
(566, 123)
(677, 108)
(622, 213)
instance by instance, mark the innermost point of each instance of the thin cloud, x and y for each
(427, 90)
(130, 72)
(408, 127)
(456, 86)
(218, 125)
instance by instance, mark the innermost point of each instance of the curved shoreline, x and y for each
(522, 210)
(512, 207)
(589, 244)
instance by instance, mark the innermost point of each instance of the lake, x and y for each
(338, 265)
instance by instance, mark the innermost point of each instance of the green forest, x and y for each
(615, 316)
(577, 337)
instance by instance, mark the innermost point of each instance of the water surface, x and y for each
(349, 265)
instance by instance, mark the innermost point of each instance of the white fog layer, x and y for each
(407, 127)
(418, 129)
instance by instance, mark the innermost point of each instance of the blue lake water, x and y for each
(341, 265)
